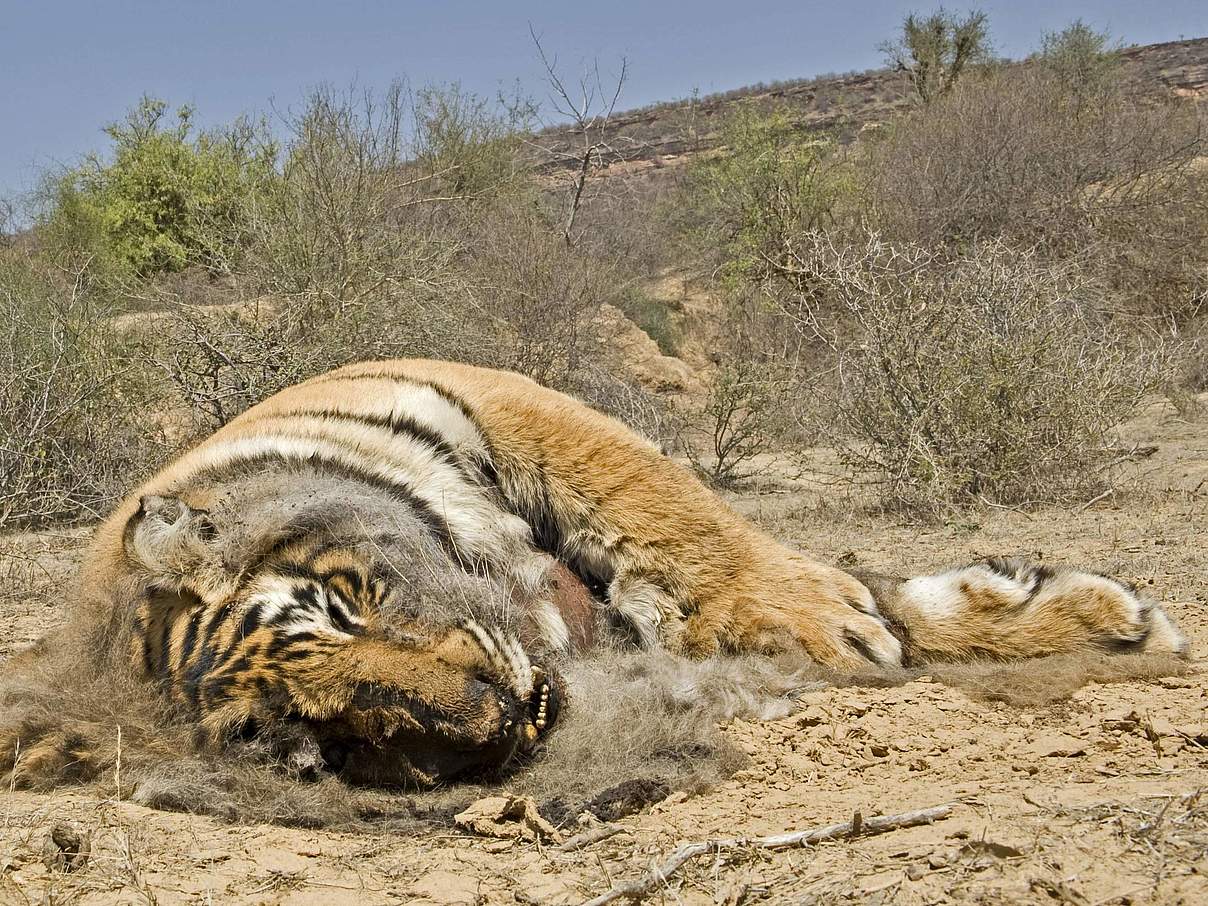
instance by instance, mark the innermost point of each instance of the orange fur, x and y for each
(519, 483)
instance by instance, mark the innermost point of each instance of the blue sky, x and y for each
(68, 68)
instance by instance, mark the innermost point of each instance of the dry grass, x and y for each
(66, 443)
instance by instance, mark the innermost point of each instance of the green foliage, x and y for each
(467, 144)
(934, 51)
(1082, 59)
(153, 207)
(655, 316)
(771, 180)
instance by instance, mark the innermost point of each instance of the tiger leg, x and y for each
(1004, 608)
(785, 602)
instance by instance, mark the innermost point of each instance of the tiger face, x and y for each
(329, 625)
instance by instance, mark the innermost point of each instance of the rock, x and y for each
(508, 817)
(916, 871)
(66, 849)
(674, 799)
(1057, 745)
(629, 345)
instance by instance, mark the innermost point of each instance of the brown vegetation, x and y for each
(969, 334)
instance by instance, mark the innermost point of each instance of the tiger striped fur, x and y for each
(374, 561)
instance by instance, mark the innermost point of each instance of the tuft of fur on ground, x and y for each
(1048, 680)
(73, 712)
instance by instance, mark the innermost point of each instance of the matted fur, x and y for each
(357, 577)
(664, 723)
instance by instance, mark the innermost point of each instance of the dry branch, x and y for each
(857, 826)
(588, 837)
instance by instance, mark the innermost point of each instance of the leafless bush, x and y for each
(68, 424)
(1017, 154)
(219, 361)
(8, 221)
(625, 401)
(535, 297)
(742, 418)
(987, 377)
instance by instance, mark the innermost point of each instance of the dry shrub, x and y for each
(533, 298)
(985, 377)
(728, 435)
(219, 361)
(68, 438)
(625, 400)
(1018, 154)
(347, 222)
(520, 300)
(382, 238)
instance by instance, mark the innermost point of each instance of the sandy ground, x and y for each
(1096, 800)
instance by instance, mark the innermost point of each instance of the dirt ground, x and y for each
(1100, 799)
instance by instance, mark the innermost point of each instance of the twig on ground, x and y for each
(1004, 506)
(1090, 503)
(588, 837)
(640, 887)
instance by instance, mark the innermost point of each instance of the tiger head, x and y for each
(322, 619)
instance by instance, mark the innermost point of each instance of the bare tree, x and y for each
(935, 50)
(8, 222)
(589, 106)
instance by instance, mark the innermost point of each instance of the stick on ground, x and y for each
(587, 838)
(864, 827)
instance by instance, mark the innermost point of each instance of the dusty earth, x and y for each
(1098, 799)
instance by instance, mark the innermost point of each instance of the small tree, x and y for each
(1081, 58)
(741, 419)
(143, 211)
(935, 50)
(770, 180)
(589, 107)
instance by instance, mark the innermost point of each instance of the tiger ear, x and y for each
(167, 536)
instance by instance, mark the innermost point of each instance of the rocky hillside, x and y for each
(664, 132)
